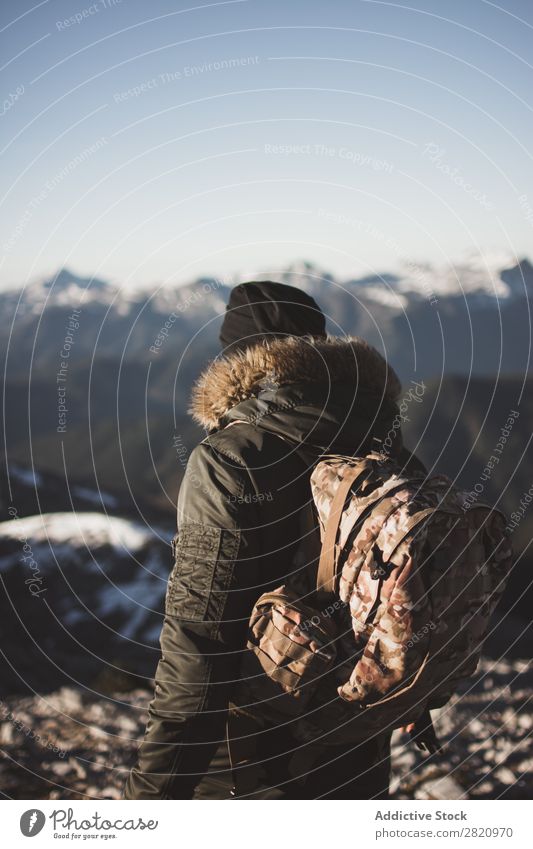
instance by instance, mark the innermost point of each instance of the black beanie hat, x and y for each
(265, 310)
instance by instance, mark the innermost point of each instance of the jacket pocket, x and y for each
(203, 567)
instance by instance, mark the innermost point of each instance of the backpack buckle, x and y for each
(378, 568)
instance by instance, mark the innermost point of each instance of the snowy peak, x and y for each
(65, 279)
(70, 290)
(84, 530)
(490, 276)
(493, 276)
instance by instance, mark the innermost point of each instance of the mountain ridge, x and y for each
(497, 275)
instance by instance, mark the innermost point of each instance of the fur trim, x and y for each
(238, 376)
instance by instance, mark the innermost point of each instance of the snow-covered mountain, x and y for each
(118, 565)
(475, 275)
(68, 290)
(456, 318)
(83, 591)
(498, 275)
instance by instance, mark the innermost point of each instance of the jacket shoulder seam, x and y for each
(224, 453)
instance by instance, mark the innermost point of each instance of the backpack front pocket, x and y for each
(294, 643)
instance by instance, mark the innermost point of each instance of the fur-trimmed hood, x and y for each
(289, 361)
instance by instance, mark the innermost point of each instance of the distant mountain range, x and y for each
(472, 318)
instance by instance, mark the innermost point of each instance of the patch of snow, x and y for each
(89, 529)
(475, 275)
(30, 477)
(138, 599)
(385, 295)
(98, 497)
(74, 615)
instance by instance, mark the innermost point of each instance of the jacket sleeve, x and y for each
(208, 602)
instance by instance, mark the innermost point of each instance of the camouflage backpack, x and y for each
(407, 580)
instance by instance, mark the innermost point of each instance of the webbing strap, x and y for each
(325, 580)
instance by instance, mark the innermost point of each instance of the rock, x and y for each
(77, 767)
(111, 792)
(475, 727)
(66, 700)
(442, 788)
(506, 776)
(6, 733)
(62, 768)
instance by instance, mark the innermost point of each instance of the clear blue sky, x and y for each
(151, 142)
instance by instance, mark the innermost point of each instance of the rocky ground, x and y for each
(73, 744)
(69, 744)
(487, 733)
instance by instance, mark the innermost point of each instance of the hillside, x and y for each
(83, 599)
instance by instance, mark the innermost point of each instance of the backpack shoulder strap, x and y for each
(326, 575)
